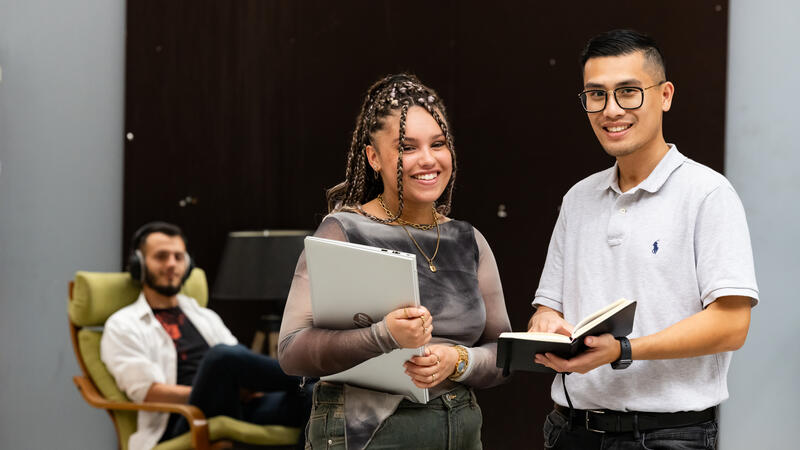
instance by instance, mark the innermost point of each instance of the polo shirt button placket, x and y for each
(618, 222)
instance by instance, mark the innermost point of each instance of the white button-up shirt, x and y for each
(138, 352)
(675, 243)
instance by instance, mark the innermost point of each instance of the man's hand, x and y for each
(603, 349)
(246, 395)
(547, 320)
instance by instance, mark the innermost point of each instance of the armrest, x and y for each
(198, 426)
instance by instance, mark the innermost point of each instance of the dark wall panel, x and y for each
(243, 110)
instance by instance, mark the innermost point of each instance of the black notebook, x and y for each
(516, 351)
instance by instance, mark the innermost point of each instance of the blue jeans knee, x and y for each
(225, 356)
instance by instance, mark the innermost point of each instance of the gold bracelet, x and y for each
(461, 363)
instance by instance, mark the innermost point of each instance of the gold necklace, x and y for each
(419, 226)
(423, 227)
(438, 239)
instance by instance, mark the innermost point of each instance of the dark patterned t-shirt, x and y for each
(189, 343)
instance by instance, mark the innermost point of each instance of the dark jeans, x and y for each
(227, 369)
(558, 436)
(451, 421)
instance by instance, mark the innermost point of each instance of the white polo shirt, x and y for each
(138, 352)
(674, 243)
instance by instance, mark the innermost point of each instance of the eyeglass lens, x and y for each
(626, 97)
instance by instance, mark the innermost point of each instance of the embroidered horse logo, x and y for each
(655, 247)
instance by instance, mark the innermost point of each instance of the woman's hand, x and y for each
(411, 327)
(438, 363)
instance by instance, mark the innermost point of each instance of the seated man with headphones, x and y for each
(164, 347)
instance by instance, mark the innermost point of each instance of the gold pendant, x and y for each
(432, 267)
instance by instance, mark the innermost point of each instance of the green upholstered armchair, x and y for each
(93, 297)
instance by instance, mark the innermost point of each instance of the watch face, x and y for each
(461, 366)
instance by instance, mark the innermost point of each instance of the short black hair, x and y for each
(140, 236)
(624, 42)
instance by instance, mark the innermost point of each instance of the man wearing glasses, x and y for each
(657, 228)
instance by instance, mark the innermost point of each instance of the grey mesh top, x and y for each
(464, 297)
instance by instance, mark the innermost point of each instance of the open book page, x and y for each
(515, 350)
(598, 316)
(537, 336)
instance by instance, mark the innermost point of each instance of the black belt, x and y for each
(608, 421)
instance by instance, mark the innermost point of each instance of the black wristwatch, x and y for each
(624, 359)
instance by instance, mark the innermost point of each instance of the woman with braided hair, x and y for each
(397, 192)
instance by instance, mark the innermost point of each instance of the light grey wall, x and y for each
(763, 163)
(61, 120)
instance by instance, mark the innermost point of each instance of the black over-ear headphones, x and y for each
(136, 263)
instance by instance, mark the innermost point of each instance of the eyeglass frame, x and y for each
(605, 100)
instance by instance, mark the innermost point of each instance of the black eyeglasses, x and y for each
(627, 97)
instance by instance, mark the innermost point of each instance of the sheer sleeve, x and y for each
(482, 371)
(313, 352)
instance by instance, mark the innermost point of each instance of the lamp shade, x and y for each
(258, 265)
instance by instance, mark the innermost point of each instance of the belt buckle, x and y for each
(586, 424)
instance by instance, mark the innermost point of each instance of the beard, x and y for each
(617, 153)
(163, 289)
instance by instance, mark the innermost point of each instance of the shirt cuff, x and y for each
(384, 338)
(712, 296)
(546, 301)
(138, 391)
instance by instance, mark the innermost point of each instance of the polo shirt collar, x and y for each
(671, 161)
(611, 180)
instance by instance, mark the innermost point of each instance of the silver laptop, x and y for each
(355, 285)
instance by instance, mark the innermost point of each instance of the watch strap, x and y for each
(461, 364)
(625, 354)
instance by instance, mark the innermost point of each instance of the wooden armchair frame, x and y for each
(198, 425)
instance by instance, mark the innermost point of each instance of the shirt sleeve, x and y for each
(126, 358)
(222, 333)
(551, 283)
(723, 253)
(482, 371)
(304, 350)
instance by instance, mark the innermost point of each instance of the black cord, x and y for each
(569, 402)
